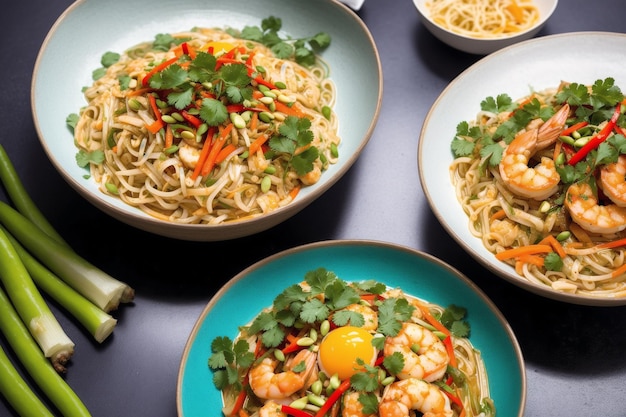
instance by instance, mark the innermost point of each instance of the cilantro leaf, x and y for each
(553, 262)
(345, 317)
(394, 363)
(84, 158)
(453, 318)
(109, 58)
(213, 111)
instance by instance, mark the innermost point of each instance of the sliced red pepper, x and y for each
(158, 68)
(600, 137)
(191, 119)
(334, 397)
(293, 411)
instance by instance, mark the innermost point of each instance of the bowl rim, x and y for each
(543, 18)
(203, 232)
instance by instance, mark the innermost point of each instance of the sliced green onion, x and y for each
(99, 323)
(37, 366)
(32, 307)
(17, 392)
(96, 285)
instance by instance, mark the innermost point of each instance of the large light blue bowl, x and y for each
(89, 28)
(417, 273)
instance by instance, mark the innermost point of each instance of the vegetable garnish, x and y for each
(542, 182)
(331, 343)
(232, 122)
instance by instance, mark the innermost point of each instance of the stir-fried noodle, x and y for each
(542, 182)
(484, 18)
(210, 129)
(327, 347)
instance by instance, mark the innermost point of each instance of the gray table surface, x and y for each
(573, 354)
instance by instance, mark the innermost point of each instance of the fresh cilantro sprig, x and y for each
(229, 361)
(453, 317)
(295, 134)
(302, 50)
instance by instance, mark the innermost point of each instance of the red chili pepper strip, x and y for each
(191, 119)
(334, 397)
(595, 141)
(293, 411)
(454, 398)
(268, 84)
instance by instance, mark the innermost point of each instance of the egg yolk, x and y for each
(218, 47)
(341, 348)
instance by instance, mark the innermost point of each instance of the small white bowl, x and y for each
(482, 46)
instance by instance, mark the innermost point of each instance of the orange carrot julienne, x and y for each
(203, 153)
(257, 143)
(139, 91)
(612, 244)
(619, 271)
(155, 126)
(226, 150)
(531, 259)
(215, 149)
(156, 69)
(557, 150)
(500, 214)
(294, 192)
(254, 121)
(450, 349)
(169, 136)
(556, 245)
(433, 321)
(573, 128)
(291, 111)
(523, 250)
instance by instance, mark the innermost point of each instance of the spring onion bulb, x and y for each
(38, 367)
(17, 392)
(99, 323)
(96, 285)
(32, 307)
(21, 199)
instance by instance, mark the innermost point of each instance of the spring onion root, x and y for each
(17, 392)
(38, 367)
(32, 307)
(100, 288)
(21, 199)
(93, 318)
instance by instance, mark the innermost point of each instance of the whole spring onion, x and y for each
(17, 392)
(21, 199)
(99, 323)
(38, 367)
(96, 285)
(32, 307)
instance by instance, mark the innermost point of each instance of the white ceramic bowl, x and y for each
(76, 42)
(603, 51)
(484, 46)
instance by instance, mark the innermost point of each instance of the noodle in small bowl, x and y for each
(210, 135)
(399, 269)
(483, 26)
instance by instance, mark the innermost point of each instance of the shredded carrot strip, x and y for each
(500, 214)
(433, 321)
(612, 244)
(556, 245)
(294, 192)
(531, 259)
(619, 271)
(156, 126)
(450, 349)
(203, 154)
(294, 110)
(243, 413)
(219, 143)
(226, 150)
(254, 121)
(557, 150)
(258, 142)
(139, 92)
(158, 68)
(573, 128)
(169, 136)
(523, 250)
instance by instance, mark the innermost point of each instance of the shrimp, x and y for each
(271, 409)
(352, 407)
(431, 359)
(537, 182)
(268, 384)
(583, 206)
(613, 181)
(414, 394)
(369, 315)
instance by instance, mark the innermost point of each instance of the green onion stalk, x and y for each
(94, 284)
(99, 323)
(32, 307)
(36, 364)
(17, 392)
(21, 199)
